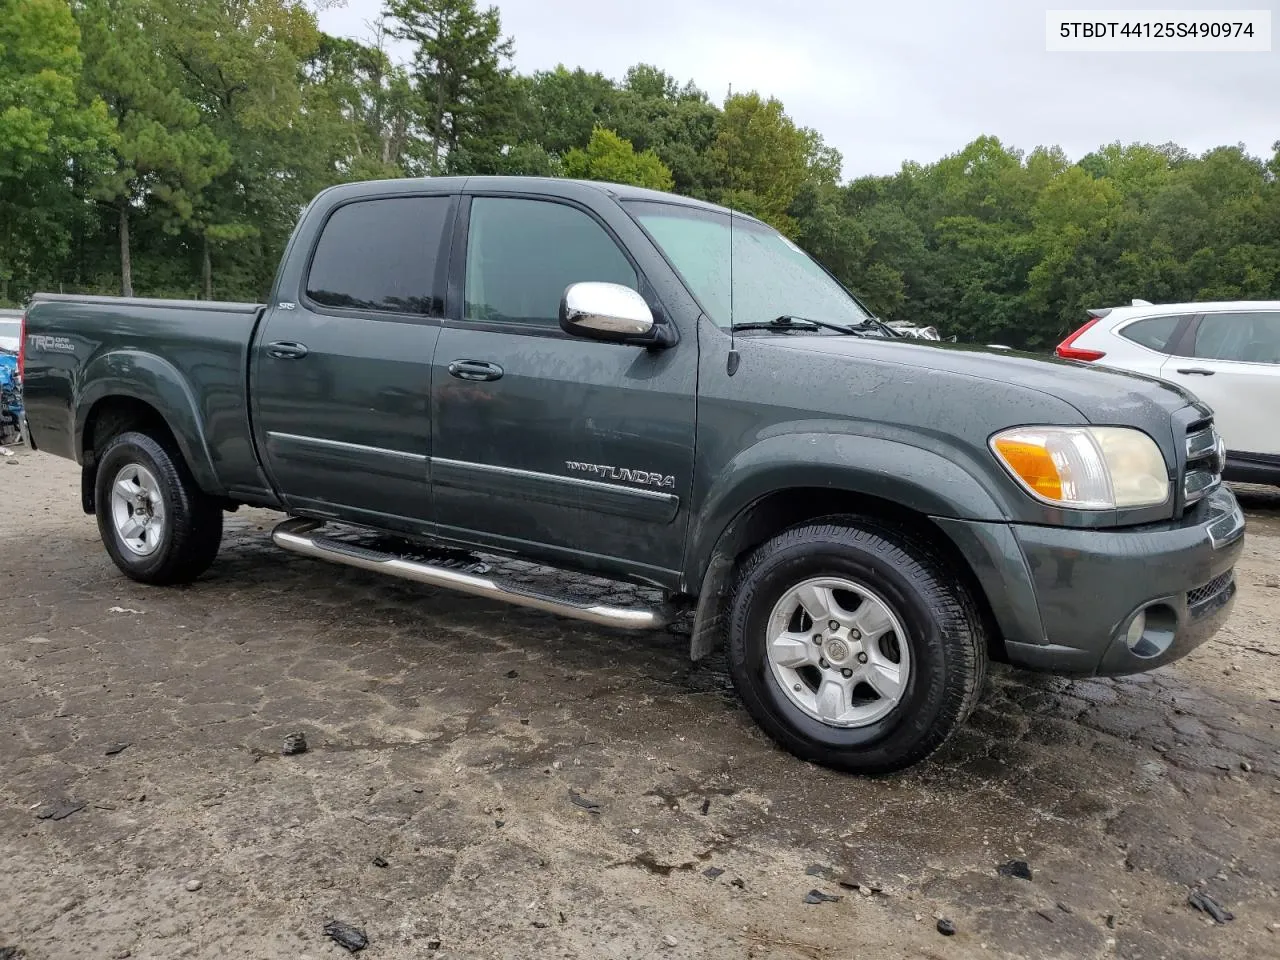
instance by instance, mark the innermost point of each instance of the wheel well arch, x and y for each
(109, 417)
(779, 510)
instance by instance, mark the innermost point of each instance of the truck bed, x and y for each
(188, 359)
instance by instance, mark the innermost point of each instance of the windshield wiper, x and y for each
(876, 322)
(785, 323)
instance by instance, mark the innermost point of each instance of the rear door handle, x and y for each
(286, 350)
(1200, 370)
(475, 370)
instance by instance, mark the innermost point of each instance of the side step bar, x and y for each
(299, 535)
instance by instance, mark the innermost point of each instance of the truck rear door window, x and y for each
(381, 255)
(521, 254)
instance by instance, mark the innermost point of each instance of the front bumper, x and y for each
(1065, 598)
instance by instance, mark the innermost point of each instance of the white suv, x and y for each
(1227, 354)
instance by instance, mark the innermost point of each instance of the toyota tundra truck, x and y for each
(654, 390)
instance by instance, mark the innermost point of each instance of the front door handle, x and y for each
(1200, 370)
(286, 350)
(475, 370)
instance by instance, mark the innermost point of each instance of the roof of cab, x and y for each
(536, 186)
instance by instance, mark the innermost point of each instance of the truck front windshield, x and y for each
(772, 277)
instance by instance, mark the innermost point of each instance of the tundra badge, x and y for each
(605, 472)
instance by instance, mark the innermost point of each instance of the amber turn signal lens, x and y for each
(1033, 464)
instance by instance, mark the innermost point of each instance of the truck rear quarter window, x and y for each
(521, 254)
(381, 255)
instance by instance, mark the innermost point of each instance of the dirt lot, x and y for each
(449, 737)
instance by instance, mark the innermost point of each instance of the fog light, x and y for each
(1137, 627)
(1151, 631)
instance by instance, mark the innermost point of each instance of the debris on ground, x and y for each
(294, 743)
(1015, 868)
(123, 610)
(1206, 904)
(345, 935)
(706, 806)
(1046, 915)
(712, 872)
(583, 802)
(946, 928)
(817, 896)
(59, 809)
(512, 674)
(193, 885)
(433, 943)
(670, 941)
(381, 862)
(115, 748)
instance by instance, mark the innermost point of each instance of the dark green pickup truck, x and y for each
(581, 374)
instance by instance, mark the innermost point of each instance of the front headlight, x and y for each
(1085, 468)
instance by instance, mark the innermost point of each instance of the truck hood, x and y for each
(1102, 395)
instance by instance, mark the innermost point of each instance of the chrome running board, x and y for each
(300, 535)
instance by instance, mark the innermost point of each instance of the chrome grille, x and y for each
(1206, 456)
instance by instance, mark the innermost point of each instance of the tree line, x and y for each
(166, 148)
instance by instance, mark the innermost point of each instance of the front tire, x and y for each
(854, 644)
(158, 526)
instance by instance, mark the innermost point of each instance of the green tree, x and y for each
(50, 134)
(364, 107)
(559, 109)
(610, 158)
(164, 154)
(243, 63)
(461, 71)
(676, 122)
(761, 159)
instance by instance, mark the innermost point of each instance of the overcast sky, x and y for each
(902, 80)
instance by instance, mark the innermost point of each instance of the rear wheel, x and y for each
(854, 645)
(157, 525)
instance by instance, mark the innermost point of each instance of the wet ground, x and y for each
(487, 782)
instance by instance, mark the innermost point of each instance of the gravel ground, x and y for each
(449, 738)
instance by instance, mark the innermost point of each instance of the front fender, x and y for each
(907, 475)
(159, 384)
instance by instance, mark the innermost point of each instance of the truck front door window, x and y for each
(521, 254)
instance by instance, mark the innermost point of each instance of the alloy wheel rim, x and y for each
(137, 510)
(838, 651)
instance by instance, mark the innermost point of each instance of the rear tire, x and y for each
(158, 526)
(889, 663)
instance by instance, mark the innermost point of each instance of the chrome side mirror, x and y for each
(606, 311)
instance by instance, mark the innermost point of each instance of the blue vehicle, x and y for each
(10, 390)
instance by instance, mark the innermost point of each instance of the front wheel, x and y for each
(156, 523)
(854, 645)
